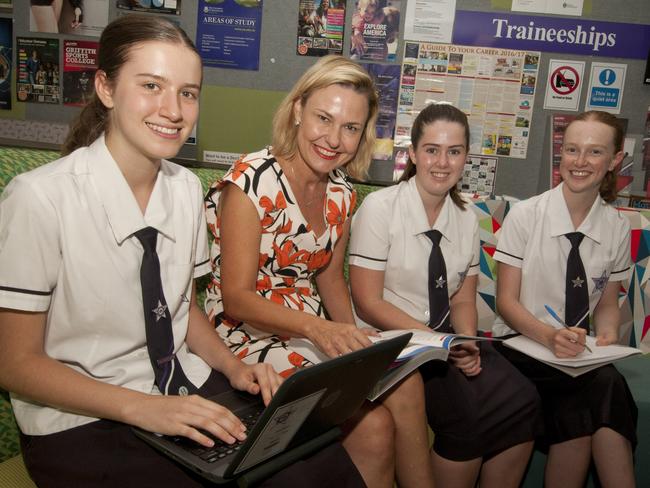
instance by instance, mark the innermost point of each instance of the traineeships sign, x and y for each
(552, 34)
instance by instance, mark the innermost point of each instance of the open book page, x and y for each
(428, 338)
(424, 346)
(401, 368)
(585, 361)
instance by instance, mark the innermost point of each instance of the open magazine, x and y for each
(424, 346)
(585, 361)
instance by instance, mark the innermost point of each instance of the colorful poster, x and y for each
(6, 57)
(386, 77)
(321, 24)
(494, 87)
(564, 85)
(37, 78)
(153, 6)
(78, 17)
(228, 33)
(606, 85)
(479, 175)
(375, 30)
(79, 66)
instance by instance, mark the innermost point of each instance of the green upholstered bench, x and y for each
(490, 213)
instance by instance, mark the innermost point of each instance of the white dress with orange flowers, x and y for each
(290, 254)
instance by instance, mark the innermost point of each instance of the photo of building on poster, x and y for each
(228, 33)
(479, 175)
(375, 30)
(153, 6)
(6, 55)
(77, 17)
(79, 66)
(37, 78)
(321, 24)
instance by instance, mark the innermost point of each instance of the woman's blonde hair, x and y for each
(329, 70)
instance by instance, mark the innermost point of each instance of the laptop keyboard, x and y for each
(220, 449)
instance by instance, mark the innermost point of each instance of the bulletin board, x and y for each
(237, 105)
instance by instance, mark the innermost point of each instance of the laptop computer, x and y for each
(302, 417)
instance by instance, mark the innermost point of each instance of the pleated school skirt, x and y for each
(578, 407)
(483, 415)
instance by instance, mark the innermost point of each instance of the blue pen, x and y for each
(563, 323)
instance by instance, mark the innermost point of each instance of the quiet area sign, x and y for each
(564, 84)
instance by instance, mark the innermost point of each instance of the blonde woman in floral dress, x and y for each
(281, 221)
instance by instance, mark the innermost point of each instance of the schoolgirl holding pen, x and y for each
(569, 249)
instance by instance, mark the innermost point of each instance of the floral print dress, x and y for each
(290, 254)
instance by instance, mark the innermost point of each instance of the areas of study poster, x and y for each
(153, 6)
(77, 17)
(37, 78)
(228, 33)
(375, 30)
(386, 77)
(321, 24)
(79, 66)
(6, 55)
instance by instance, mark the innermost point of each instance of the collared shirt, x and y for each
(533, 238)
(67, 247)
(388, 235)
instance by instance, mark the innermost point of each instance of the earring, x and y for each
(297, 123)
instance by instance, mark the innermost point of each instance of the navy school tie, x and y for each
(438, 294)
(169, 375)
(577, 290)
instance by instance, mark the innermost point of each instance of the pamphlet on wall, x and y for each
(153, 6)
(79, 67)
(75, 17)
(321, 24)
(375, 30)
(582, 363)
(424, 346)
(6, 59)
(37, 74)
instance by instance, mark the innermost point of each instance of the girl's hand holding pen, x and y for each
(568, 342)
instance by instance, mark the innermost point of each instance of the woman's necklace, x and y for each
(314, 198)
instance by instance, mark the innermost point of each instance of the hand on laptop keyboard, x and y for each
(220, 449)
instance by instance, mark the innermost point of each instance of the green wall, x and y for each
(236, 119)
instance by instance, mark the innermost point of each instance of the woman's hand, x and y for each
(184, 416)
(336, 338)
(568, 342)
(467, 358)
(255, 378)
(606, 337)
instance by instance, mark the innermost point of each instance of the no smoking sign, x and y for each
(564, 84)
(565, 80)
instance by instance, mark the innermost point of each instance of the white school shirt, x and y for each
(532, 238)
(388, 235)
(67, 247)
